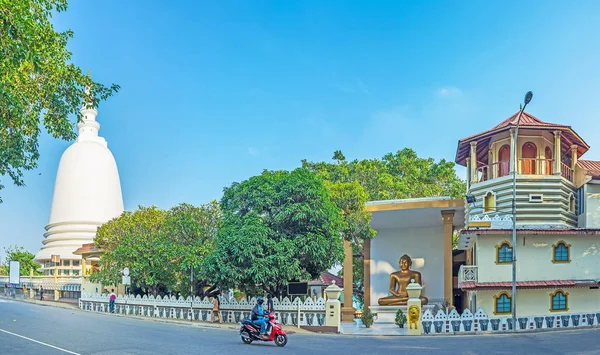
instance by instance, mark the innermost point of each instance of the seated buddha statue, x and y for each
(398, 282)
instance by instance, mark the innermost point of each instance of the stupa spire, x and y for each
(88, 127)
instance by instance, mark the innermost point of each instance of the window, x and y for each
(75, 262)
(504, 160)
(559, 301)
(504, 253)
(528, 155)
(572, 203)
(561, 252)
(502, 303)
(489, 202)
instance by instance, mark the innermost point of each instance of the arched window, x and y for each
(572, 203)
(549, 161)
(528, 158)
(504, 253)
(504, 160)
(559, 301)
(502, 303)
(489, 202)
(561, 252)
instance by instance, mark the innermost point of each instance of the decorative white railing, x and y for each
(310, 312)
(467, 273)
(47, 282)
(442, 323)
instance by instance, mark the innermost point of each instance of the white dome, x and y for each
(87, 193)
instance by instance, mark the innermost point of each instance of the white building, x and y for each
(558, 220)
(87, 193)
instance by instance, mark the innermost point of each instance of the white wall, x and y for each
(426, 248)
(591, 216)
(534, 258)
(537, 302)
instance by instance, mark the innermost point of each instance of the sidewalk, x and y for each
(226, 326)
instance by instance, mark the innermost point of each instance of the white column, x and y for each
(573, 157)
(557, 158)
(513, 153)
(474, 161)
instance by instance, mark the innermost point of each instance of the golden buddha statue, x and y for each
(398, 282)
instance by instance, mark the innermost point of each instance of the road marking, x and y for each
(39, 342)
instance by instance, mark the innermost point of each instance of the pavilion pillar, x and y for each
(474, 161)
(490, 164)
(468, 174)
(348, 308)
(83, 267)
(367, 273)
(448, 221)
(513, 152)
(557, 158)
(573, 158)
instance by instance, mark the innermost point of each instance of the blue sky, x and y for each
(216, 91)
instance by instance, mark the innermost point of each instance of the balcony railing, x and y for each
(525, 166)
(467, 273)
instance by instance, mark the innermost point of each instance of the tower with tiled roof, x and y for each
(547, 171)
(558, 221)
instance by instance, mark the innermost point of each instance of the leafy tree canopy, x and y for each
(37, 82)
(278, 226)
(159, 247)
(25, 259)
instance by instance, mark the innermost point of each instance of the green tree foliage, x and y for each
(136, 240)
(37, 82)
(159, 247)
(278, 226)
(25, 259)
(193, 231)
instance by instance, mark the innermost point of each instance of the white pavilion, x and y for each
(87, 193)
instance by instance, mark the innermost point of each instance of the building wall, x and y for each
(426, 248)
(537, 302)
(552, 211)
(534, 258)
(591, 216)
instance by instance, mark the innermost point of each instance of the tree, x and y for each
(37, 81)
(137, 240)
(278, 226)
(193, 230)
(397, 175)
(24, 258)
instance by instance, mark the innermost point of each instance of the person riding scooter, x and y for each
(259, 317)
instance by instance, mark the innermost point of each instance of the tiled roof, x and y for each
(538, 231)
(528, 284)
(326, 278)
(592, 166)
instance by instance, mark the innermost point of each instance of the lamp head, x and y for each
(528, 97)
(471, 198)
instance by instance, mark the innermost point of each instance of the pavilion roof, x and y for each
(528, 121)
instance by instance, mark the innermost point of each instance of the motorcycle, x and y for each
(251, 332)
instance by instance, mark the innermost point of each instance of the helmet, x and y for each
(260, 299)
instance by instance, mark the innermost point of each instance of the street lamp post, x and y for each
(528, 98)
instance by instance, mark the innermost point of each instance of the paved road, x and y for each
(34, 329)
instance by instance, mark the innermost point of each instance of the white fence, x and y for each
(288, 312)
(479, 322)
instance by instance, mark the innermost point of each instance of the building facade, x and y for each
(558, 219)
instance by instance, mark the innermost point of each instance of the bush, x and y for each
(400, 318)
(367, 317)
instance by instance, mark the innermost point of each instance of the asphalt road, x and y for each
(35, 329)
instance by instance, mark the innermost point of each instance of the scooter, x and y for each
(251, 332)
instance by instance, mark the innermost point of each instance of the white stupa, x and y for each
(87, 193)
